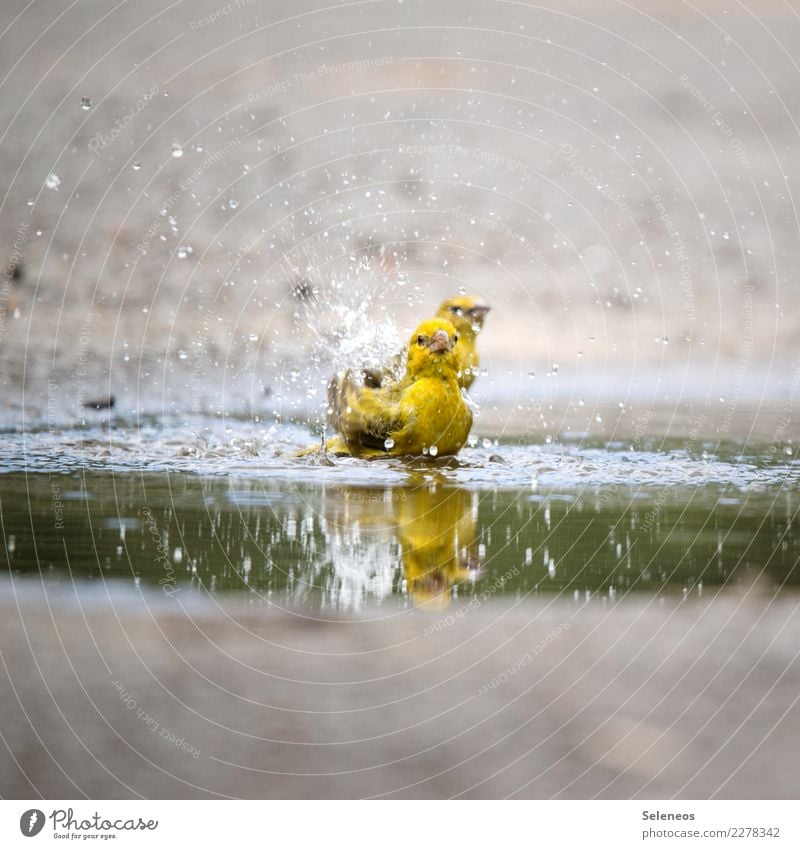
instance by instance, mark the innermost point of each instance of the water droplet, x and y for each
(531, 374)
(253, 337)
(182, 355)
(184, 251)
(233, 203)
(177, 151)
(388, 444)
(487, 443)
(402, 279)
(136, 166)
(433, 451)
(86, 104)
(53, 181)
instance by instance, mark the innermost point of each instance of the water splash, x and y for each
(263, 449)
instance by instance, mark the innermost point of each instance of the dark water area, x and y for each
(424, 540)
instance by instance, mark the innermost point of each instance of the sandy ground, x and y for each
(119, 696)
(616, 179)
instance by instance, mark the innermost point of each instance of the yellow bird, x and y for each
(436, 532)
(422, 413)
(466, 314)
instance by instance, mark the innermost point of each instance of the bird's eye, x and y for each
(420, 340)
(455, 339)
(455, 310)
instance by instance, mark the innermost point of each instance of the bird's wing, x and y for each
(392, 372)
(335, 400)
(367, 416)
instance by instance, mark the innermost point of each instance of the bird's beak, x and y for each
(479, 311)
(440, 341)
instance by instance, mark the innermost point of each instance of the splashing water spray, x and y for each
(344, 317)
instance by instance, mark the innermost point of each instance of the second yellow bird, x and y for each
(466, 314)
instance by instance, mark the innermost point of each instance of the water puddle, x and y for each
(236, 511)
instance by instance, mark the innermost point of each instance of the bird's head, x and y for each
(432, 347)
(466, 313)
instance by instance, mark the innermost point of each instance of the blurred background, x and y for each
(208, 205)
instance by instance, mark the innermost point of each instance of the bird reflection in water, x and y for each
(425, 528)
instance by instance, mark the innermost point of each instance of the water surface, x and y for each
(236, 511)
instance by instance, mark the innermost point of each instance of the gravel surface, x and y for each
(112, 694)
